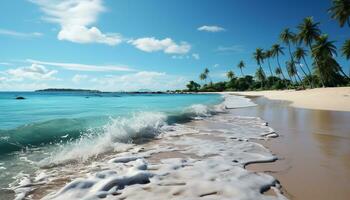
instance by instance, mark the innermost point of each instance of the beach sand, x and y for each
(313, 147)
(336, 99)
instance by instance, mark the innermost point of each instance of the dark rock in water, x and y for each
(20, 98)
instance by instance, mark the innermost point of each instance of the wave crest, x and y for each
(114, 136)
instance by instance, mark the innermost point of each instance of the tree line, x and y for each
(307, 42)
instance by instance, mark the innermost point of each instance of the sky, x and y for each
(127, 45)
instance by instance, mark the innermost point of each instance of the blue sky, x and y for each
(118, 45)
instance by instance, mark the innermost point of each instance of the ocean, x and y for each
(50, 140)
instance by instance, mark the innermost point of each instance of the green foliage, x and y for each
(326, 70)
(193, 86)
(203, 76)
(340, 11)
(241, 65)
(259, 56)
(287, 36)
(309, 31)
(346, 49)
(230, 75)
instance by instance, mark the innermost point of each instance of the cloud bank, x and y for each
(76, 18)
(33, 72)
(167, 45)
(82, 67)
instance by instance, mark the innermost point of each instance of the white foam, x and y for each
(234, 101)
(115, 136)
(199, 111)
(211, 163)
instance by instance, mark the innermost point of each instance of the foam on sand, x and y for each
(232, 101)
(203, 159)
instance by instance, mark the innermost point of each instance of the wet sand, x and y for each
(313, 149)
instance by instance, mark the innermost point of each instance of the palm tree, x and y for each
(287, 37)
(299, 54)
(341, 11)
(193, 86)
(292, 70)
(260, 75)
(203, 77)
(241, 65)
(230, 75)
(325, 49)
(346, 51)
(276, 50)
(278, 72)
(327, 67)
(268, 55)
(309, 31)
(206, 72)
(259, 57)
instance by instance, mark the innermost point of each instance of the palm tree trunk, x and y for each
(341, 70)
(279, 66)
(242, 72)
(295, 79)
(306, 75)
(268, 61)
(307, 66)
(301, 82)
(290, 53)
(321, 78)
(292, 60)
(289, 75)
(262, 81)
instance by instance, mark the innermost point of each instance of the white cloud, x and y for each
(82, 67)
(180, 57)
(232, 49)
(6, 64)
(79, 77)
(19, 34)
(75, 18)
(212, 29)
(167, 45)
(140, 80)
(33, 72)
(216, 65)
(196, 56)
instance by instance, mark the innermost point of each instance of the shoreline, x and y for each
(336, 99)
(313, 149)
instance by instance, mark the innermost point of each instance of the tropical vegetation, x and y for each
(311, 60)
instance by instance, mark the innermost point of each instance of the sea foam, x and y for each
(205, 159)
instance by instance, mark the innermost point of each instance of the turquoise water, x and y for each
(58, 127)
(46, 117)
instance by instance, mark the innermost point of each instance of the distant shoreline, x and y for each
(98, 91)
(67, 90)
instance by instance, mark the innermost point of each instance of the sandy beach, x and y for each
(313, 147)
(336, 99)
